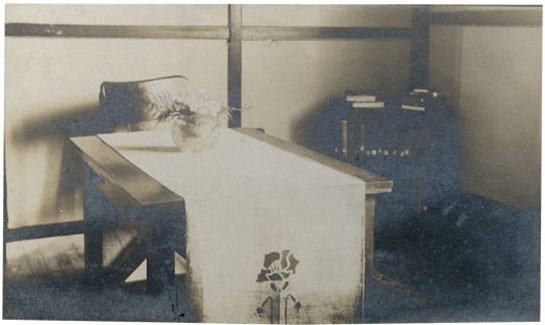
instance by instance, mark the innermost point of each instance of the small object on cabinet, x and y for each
(413, 108)
(414, 104)
(368, 104)
(422, 93)
(421, 90)
(362, 134)
(344, 133)
(361, 98)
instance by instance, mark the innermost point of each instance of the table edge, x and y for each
(375, 184)
(82, 150)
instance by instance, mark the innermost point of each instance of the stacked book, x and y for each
(364, 101)
(418, 99)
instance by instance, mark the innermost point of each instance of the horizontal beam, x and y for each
(249, 33)
(291, 33)
(516, 17)
(43, 231)
(114, 31)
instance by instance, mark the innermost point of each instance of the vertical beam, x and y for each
(234, 63)
(420, 45)
(6, 221)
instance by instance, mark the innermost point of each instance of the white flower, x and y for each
(185, 103)
(200, 101)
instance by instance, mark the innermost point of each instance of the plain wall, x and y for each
(327, 15)
(52, 86)
(285, 84)
(492, 75)
(51, 93)
(120, 14)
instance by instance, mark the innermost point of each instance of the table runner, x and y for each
(261, 222)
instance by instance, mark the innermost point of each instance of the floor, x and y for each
(473, 260)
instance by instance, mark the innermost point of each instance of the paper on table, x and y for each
(244, 199)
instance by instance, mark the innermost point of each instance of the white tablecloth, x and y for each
(245, 199)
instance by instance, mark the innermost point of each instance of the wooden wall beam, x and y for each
(292, 33)
(234, 65)
(420, 47)
(246, 33)
(6, 220)
(114, 31)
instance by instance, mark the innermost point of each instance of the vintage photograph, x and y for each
(275, 164)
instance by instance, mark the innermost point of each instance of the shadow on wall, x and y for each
(315, 129)
(320, 129)
(64, 174)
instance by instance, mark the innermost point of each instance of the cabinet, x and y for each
(418, 150)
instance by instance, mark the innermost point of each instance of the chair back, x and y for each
(129, 106)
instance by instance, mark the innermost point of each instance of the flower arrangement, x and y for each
(184, 104)
(196, 115)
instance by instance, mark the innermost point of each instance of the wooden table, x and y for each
(135, 197)
(138, 198)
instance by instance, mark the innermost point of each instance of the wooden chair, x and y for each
(128, 106)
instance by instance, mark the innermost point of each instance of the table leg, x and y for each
(161, 245)
(370, 202)
(93, 231)
(369, 229)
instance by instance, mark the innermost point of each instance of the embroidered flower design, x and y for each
(277, 267)
(276, 270)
